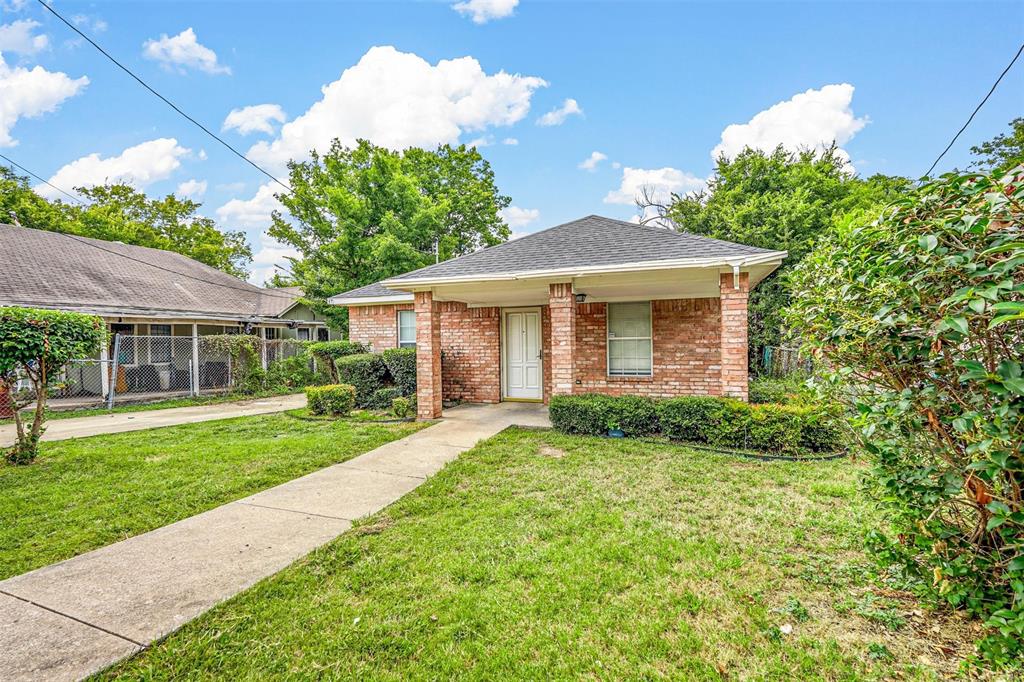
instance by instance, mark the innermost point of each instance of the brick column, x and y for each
(734, 335)
(562, 307)
(428, 356)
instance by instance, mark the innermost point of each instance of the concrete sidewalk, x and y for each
(79, 427)
(71, 619)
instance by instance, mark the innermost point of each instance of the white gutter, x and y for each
(772, 257)
(370, 300)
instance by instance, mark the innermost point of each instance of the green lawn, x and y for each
(85, 493)
(544, 556)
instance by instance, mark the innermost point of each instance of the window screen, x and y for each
(629, 339)
(406, 328)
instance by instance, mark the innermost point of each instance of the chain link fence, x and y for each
(149, 368)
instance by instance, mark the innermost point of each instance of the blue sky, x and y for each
(654, 88)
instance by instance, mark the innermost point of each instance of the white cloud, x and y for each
(18, 36)
(182, 52)
(95, 24)
(258, 118)
(510, 141)
(254, 212)
(616, 165)
(192, 189)
(139, 166)
(590, 163)
(397, 100)
(809, 120)
(519, 217)
(557, 116)
(268, 255)
(660, 184)
(481, 142)
(28, 93)
(482, 11)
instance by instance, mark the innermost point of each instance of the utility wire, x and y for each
(45, 182)
(161, 97)
(264, 291)
(976, 109)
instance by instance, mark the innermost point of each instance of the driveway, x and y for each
(79, 427)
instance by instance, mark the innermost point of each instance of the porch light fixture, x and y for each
(581, 298)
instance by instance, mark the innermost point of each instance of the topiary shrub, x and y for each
(401, 363)
(585, 415)
(382, 398)
(37, 344)
(402, 407)
(332, 399)
(327, 353)
(690, 418)
(635, 415)
(774, 428)
(364, 371)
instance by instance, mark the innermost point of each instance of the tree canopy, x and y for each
(358, 215)
(780, 201)
(121, 213)
(1002, 152)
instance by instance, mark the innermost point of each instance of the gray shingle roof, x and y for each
(375, 290)
(587, 242)
(78, 273)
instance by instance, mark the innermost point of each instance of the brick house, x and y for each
(591, 306)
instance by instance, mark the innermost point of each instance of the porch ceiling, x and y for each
(613, 286)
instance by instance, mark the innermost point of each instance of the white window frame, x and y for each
(609, 339)
(300, 331)
(406, 343)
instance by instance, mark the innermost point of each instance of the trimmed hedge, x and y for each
(401, 363)
(329, 352)
(381, 398)
(722, 422)
(333, 399)
(366, 372)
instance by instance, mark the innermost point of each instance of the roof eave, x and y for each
(370, 300)
(746, 260)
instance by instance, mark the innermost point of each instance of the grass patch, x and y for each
(89, 492)
(543, 556)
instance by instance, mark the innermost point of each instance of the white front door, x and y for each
(523, 373)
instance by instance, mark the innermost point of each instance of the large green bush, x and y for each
(918, 317)
(333, 399)
(401, 364)
(364, 371)
(37, 344)
(327, 353)
(722, 422)
(294, 372)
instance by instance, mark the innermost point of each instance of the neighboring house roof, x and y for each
(54, 270)
(591, 244)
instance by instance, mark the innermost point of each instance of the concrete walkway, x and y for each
(79, 427)
(71, 619)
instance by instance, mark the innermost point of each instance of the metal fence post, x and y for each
(113, 371)
(195, 363)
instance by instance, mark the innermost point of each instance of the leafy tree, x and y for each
(780, 201)
(37, 344)
(359, 215)
(122, 213)
(1004, 151)
(919, 320)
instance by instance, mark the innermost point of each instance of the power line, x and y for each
(45, 182)
(161, 97)
(976, 109)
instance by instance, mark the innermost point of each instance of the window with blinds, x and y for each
(629, 339)
(406, 328)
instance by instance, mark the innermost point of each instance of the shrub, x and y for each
(37, 344)
(293, 372)
(635, 415)
(919, 317)
(401, 407)
(780, 391)
(822, 430)
(401, 363)
(332, 399)
(327, 353)
(690, 418)
(382, 398)
(774, 428)
(366, 372)
(585, 415)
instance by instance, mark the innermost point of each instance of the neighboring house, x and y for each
(145, 293)
(592, 306)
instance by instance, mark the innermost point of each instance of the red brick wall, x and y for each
(375, 325)
(470, 353)
(428, 356)
(686, 358)
(734, 335)
(562, 322)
